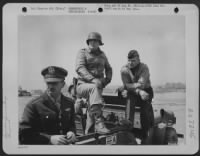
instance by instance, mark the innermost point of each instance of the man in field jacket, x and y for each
(136, 80)
(94, 73)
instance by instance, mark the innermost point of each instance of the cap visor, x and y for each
(53, 79)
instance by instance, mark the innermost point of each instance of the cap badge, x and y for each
(51, 70)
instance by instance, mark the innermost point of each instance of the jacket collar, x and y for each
(54, 100)
(49, 102)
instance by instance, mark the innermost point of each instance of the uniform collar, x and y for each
(58, 100)
(50, 102)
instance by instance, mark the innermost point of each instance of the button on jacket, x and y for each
(41, 119)
(90, 65)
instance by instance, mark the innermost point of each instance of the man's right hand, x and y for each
(97, 82)
(137, 85)
(124, 93)
(58, 140)
(144, 95)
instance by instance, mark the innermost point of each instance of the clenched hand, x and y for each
(144, 95)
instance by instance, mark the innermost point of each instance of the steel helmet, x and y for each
(94, 36)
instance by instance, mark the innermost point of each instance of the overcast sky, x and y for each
(55, 40)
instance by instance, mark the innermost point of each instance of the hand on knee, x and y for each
(96, 109)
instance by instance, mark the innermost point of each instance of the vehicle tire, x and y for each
(171, 137)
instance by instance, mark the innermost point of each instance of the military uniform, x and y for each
(43, 117)
(92, 64)
(139, 74)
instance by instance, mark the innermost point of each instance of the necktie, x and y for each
(57, 105)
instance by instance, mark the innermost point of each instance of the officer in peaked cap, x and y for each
(49, 119)
(54, 74)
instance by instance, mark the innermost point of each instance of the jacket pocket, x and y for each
(48, 121)
(67, 114)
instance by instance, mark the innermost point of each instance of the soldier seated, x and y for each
(91, 64)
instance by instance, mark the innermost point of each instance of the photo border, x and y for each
(103, 148)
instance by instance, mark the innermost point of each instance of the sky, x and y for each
(56, 40)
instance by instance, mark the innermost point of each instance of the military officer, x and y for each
(49, 119)
(91, 64)
(137, 85)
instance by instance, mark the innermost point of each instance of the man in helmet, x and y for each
(137, 86)
(91, 64)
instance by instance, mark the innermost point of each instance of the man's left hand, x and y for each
(124, 93)
(104, 82)
(144, 95)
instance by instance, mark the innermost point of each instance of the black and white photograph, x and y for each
(109, 76)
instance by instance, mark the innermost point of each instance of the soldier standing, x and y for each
(49, 119)
(91, 64)
(137, 86)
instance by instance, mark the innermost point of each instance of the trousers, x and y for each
(146, 110)
(91, 92)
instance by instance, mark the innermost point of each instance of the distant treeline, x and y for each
(112, 89)
(170, 87)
